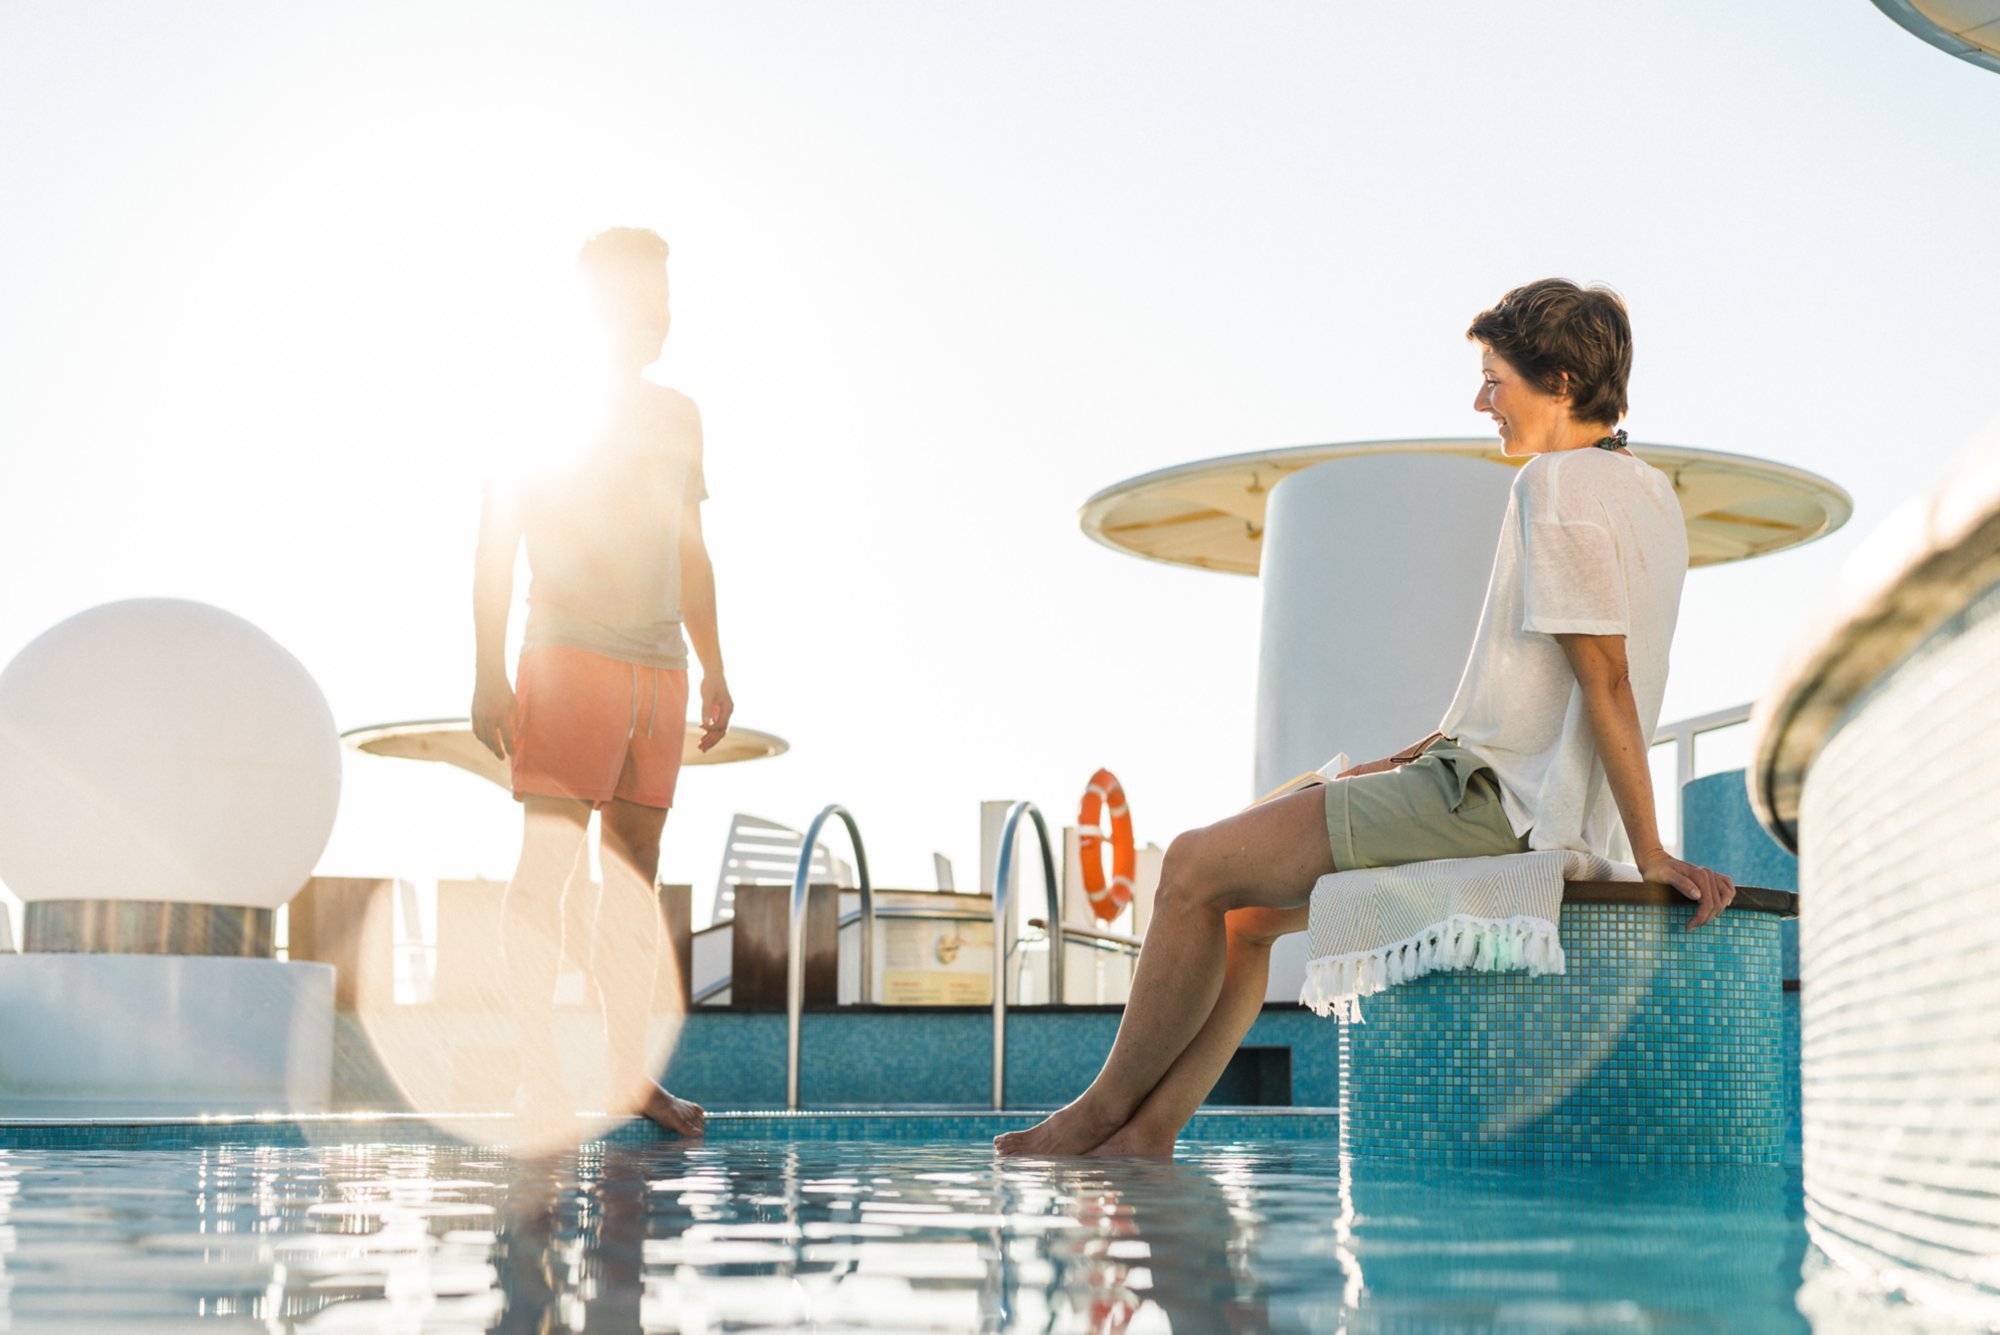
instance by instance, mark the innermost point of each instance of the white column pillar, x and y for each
(1374, 570)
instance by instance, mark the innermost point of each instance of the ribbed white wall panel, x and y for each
(1899, 825)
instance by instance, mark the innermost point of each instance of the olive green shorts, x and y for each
(1444, 804)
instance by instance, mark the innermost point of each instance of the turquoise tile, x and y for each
(1657, 1045)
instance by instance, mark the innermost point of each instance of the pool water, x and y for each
(866, 1236)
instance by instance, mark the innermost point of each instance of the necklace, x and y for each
(1614, 441)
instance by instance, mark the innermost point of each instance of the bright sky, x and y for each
(279, 284)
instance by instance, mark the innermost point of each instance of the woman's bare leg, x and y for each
(1267, 857)
(1157, 1125)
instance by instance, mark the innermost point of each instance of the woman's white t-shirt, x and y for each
(1594, 544)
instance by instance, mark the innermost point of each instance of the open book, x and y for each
(1310, 778)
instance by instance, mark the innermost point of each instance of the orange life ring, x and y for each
(1105, 792)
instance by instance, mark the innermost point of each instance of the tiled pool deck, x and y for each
(911, 1126)
(1656, 1046)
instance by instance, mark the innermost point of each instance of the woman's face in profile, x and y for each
(1527, 417)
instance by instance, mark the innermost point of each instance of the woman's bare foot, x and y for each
(1076, 1128)
(676, 1115)
(1136, 1139)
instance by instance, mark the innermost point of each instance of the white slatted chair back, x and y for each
(763, 852)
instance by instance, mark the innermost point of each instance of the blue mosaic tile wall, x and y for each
(856, 1058)
(1790, 1063)
(1656, 1045)
(1719, 830)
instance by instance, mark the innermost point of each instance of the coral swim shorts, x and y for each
(595, 728)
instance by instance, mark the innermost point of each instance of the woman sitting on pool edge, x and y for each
(1544, 746)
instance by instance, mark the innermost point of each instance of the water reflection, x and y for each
(745, 1237)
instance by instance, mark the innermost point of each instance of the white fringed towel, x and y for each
(1380, 926)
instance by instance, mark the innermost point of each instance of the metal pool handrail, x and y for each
(795, 960)
(1001, 878)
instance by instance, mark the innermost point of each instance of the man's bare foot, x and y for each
(1074, 1129)
(1137, 1140)
(676, 1115)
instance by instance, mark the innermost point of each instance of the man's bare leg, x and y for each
(1157, 1125)
(631, 943)
(1267, 857)
(552, 837)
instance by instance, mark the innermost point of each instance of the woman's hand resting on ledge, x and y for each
(1710, 890)
(1402, 757)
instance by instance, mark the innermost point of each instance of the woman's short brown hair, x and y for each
(1552, 329)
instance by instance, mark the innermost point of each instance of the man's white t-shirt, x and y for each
(604, 534)
(1594, 544)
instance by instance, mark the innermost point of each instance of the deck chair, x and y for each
(763, 852)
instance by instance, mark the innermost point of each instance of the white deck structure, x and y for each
(1374, 557)
(1968, 29)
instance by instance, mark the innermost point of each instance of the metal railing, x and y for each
(795, 966)
(1002, 876)
(1683, 735)
(1091, 936)
(795, 960)
(1684, 732)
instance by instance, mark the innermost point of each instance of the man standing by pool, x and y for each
(617, 569)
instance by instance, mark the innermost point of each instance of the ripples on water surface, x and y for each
(858, 1236)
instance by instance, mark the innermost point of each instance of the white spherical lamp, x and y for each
(163, 750)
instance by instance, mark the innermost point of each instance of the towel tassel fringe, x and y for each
(1335, 984)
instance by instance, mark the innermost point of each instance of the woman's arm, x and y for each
(1402, 757)
(1601, 669)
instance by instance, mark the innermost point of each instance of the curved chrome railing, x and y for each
(1002, 876)
(795, 961)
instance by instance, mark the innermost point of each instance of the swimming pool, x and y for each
(776, 1224)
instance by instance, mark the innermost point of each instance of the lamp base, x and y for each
(146, 927)
(102, 1035)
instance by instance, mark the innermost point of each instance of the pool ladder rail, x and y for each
(795, 966)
